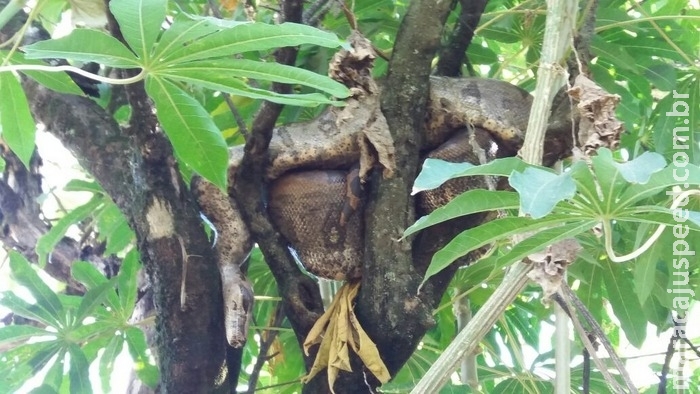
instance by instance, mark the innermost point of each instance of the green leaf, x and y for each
(435, 172)
(23, 308)
(16, 120)
(92, 299)
(586, 185)
(540, 191)
(544, 238)
(113, 228)
(185, 30)
(89, 276)
(610, 180)
(627, 309)
(642, 167)
(195, 137)
(139, 22)
(103, 327)
(54, 377)
(662, 75)
(19, 333)
(78, 373)
(645, 271)
(48, 241)
(107, 361)
(127, 282)
(45, 388)
(614, 53)
(242, 68)
(79, 185)
(23, 362)
(229, 83)
(661, 181)
(251, 37)
(58, 81)
(467, 203)
(136, 342)
(45, 298)
(485, 234)
(87, 46)
(654, 214)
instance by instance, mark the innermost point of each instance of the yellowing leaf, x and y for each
(338, 331)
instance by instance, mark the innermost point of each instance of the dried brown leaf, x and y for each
(339, 331)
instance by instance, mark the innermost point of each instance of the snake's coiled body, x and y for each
(309, 163)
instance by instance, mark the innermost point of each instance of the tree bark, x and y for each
(388, 305)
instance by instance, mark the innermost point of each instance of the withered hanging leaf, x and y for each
(338, 331)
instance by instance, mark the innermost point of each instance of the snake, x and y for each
(311, 168)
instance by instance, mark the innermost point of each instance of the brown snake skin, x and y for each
(305, 204)
(469, 119)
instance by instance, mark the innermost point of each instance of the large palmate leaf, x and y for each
(127, 282)
(544, 238)
(195, 138)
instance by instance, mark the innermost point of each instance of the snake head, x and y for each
(238, 305)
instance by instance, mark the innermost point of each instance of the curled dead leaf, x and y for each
(338, 331)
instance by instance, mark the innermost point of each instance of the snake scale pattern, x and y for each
(308, 177)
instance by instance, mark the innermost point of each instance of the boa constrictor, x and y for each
(468, 119)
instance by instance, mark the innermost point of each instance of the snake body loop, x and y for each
(467, 118)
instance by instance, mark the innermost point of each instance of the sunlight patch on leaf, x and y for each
(435, 172)
(642, 168)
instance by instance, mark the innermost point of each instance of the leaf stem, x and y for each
(607, 229)
(38, 67)
(10, 10)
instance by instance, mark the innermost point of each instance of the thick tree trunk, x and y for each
(144, 182)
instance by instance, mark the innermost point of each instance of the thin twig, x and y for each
(236, 116)
(266, 342)
(597, 330)
(666, 368)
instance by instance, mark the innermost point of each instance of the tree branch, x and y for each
(302, 301)
(388, 306)
(453, 54)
